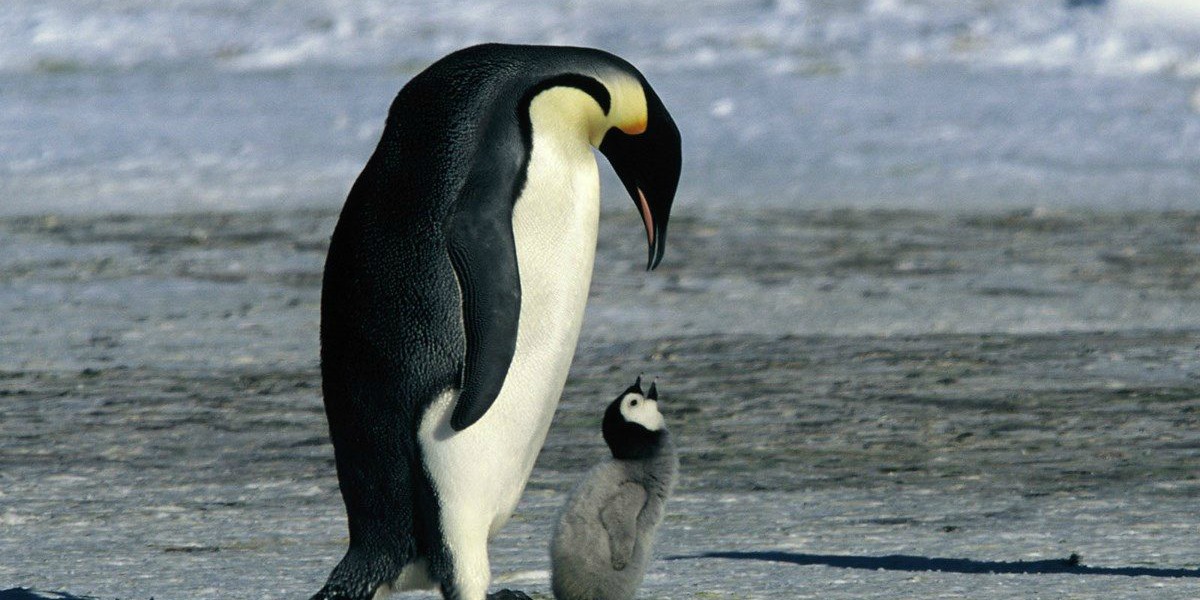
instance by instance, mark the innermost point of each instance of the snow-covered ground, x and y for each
(139, 106)
(867, 405)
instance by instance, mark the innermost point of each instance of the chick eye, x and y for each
(633, 402)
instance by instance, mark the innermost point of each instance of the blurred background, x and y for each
(198, 105)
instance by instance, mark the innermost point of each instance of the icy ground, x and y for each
(868, 404)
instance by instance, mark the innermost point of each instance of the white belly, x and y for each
(480, 472)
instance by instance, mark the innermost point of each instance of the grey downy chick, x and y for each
(602, 542)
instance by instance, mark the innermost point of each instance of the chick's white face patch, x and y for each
(636, 408)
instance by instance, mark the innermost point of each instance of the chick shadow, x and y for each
(899, 562)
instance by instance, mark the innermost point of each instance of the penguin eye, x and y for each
(633, 402)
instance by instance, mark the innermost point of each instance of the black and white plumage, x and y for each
(603, 540)
(454, 293)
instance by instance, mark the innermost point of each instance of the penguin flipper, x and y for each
(619, 516)
(479, 237)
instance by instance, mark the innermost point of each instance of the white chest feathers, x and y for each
(480, 472)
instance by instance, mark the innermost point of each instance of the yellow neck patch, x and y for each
(628, 112)
(577, 110)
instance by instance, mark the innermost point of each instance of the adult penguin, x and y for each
(454, 291)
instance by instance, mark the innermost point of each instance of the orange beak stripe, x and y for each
(646, 218)
(634, 128)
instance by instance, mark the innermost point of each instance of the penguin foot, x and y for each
(508, 595)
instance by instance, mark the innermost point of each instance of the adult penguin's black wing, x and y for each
(479, 238)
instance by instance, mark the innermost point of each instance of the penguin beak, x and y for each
(648, 164)
(654, 217)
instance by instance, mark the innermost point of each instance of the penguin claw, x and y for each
(508, 595)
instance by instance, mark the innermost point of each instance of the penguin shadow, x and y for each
(21, 593)
(899, 562)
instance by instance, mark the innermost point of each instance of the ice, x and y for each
(135, 106)
(224, 34)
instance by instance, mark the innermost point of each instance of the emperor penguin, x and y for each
(603, 538)
(454, 291)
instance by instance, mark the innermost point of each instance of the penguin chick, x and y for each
(603, 538)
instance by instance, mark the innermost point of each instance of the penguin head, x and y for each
(643, 146)
(633, 427)
(621, 116)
